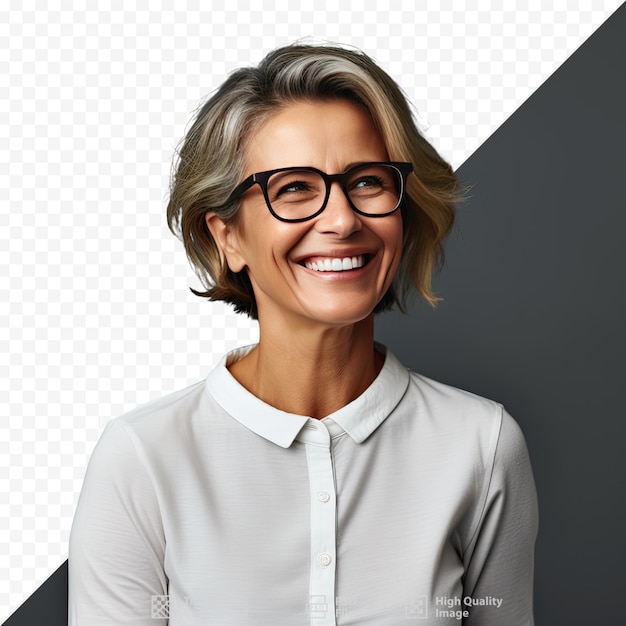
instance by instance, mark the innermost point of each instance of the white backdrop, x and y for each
(96, 316)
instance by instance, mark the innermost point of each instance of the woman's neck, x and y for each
(315, 372)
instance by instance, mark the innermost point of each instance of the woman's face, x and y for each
(281, 257)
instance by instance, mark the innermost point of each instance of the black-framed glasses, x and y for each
(296, 194)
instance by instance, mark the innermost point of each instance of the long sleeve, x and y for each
(117, 542)
(500, 559)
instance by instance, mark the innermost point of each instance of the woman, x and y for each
(310, 479)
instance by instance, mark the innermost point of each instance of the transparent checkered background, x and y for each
(96, 316)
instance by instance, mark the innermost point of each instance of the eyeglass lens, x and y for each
(300, 193)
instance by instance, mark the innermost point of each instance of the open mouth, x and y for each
(336, 264)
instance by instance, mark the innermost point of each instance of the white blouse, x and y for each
(416, 501)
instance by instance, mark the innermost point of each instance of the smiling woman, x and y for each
(332, 136)
(310, 479)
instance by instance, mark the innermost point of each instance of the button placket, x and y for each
(323, 523)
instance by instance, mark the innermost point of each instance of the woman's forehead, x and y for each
(329, 133)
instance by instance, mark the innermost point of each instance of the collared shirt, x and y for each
(416, 501)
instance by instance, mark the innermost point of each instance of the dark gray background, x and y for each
(534, 316)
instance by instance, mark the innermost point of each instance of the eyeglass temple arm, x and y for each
(241, 188)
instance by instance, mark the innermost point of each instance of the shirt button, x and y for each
(324, 559)
(323, 496)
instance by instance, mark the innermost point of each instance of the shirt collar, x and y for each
(359, 419)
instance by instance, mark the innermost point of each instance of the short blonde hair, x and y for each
(210, 162)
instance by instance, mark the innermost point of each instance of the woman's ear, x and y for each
(226, 237)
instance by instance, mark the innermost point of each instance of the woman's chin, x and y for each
(341, 313)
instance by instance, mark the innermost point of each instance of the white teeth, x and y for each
(335, 264)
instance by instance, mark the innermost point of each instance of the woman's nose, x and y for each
(338, 216)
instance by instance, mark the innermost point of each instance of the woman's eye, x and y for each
(368, 182)
(295, 191)
(293, 187)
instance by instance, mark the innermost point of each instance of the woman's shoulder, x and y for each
(442, 396)
(463, 422)
(447, 409)
(167, 407)
(164, 421)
